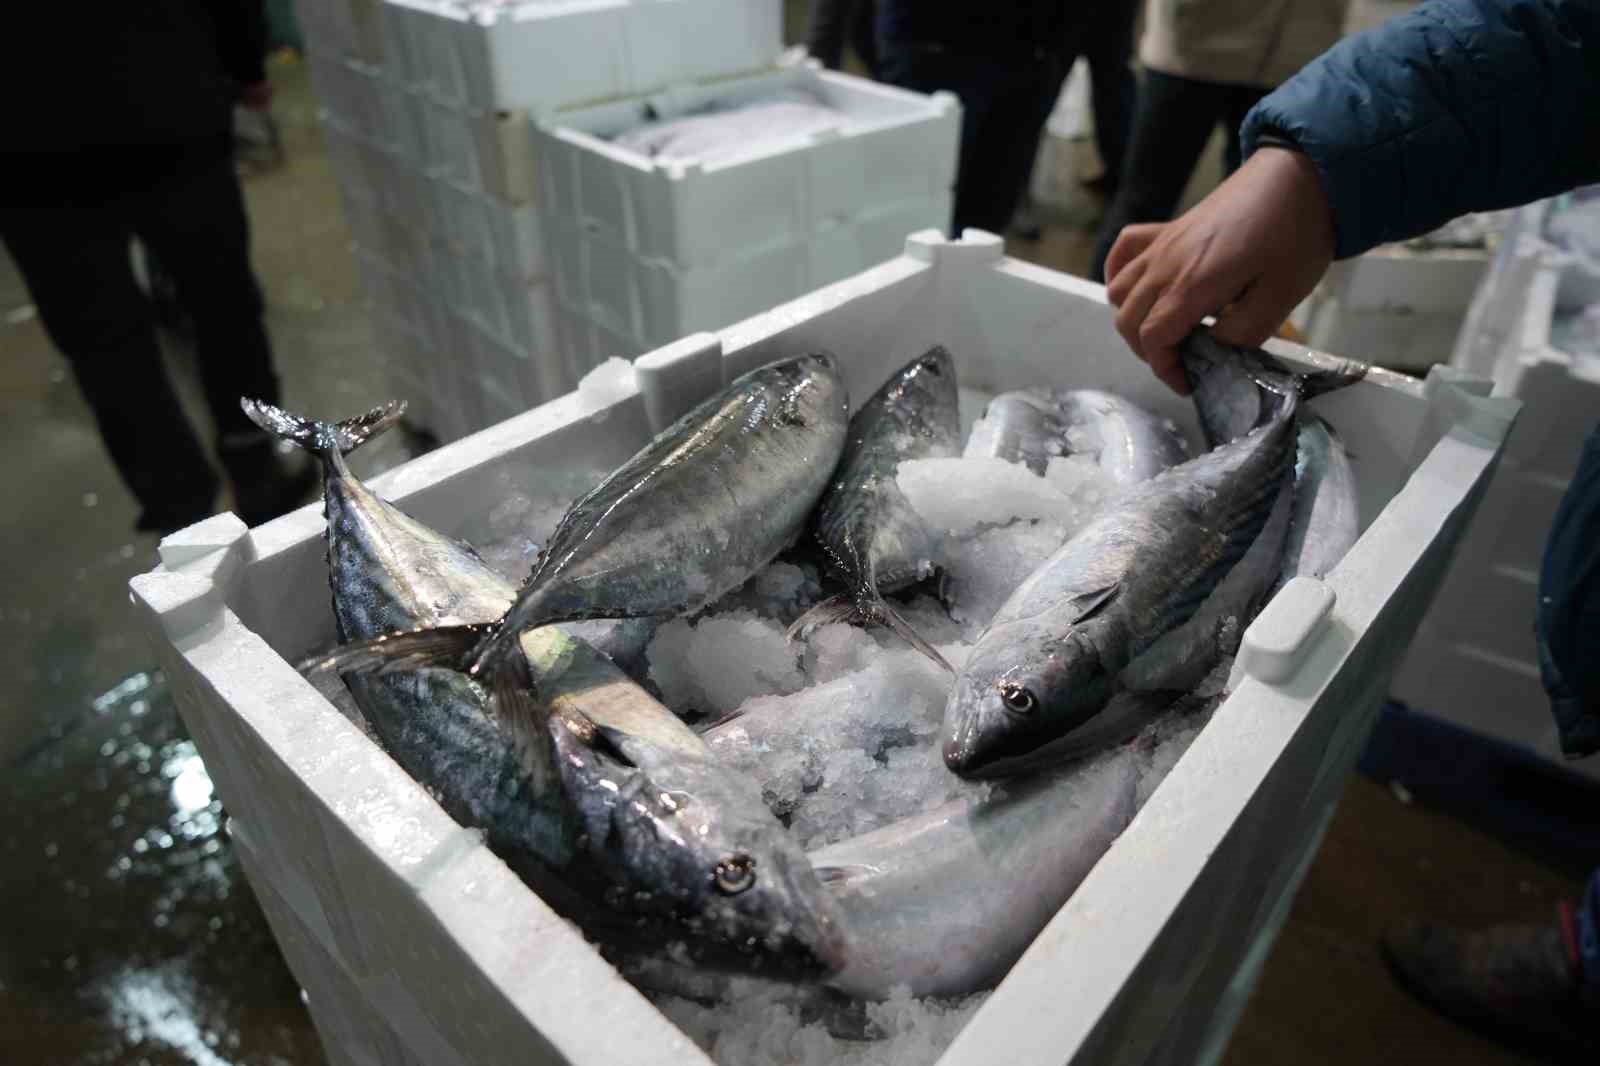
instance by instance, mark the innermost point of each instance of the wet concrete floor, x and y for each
(129, 934)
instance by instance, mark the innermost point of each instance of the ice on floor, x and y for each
(607, 383)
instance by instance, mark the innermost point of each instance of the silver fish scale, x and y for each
(710, 501)
(865, 523)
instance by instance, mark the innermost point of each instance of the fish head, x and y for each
(702, 869)
(809, 390)
(923, 395)
(1026, 684)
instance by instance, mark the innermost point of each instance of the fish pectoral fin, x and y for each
(419, 649)
(1178, 661)
(839, 874)
(840, 608)
(882, 613)
(521, 715)
(1087, 604)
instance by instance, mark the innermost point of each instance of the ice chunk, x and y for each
(961, 495)
(984, 570)
(781, 591)
(829, 757)
(713, 665)
(760, 1024)
(607, 383)
(838, 649)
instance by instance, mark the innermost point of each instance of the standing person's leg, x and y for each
(77, 268)
(1175, 119)
(1567, 626)
(978, 85)
(864, 35)
(1016, 129)
(195, 221)
(1114, 91)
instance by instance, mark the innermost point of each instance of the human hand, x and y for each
(1248, 253)
(257, 96)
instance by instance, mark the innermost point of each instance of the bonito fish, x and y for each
(1148, 597)
(947, 901)
(599, 797)
(707, 503)
(876, 542)
(1033, 426)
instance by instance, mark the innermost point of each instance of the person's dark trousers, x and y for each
(1004, 104)
(1114, 94)
(1567, 625)
(1175, 119)
(73, 252)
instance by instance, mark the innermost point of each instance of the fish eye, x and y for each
(1017, 698)
(735, 874)
(932, 367)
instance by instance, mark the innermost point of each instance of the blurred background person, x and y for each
(1006, 61)
(1205, 62)
(1113, 90)
(134, 138)
(835, 23)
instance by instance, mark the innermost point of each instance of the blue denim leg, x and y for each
(1567, 625)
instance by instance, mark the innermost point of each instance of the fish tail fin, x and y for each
(878, 610)
(447, 646)
(329, 441)
(839, 608)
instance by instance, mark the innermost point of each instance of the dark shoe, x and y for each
(1516, 984)
(268, 479)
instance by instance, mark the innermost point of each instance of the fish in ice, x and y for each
(947, 901)
(874, 540)
(1148, 597)
(1033, 426)
(707, 503)
(599, 797)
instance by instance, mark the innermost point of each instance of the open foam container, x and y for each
(416, 945)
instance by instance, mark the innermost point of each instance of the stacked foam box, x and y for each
(648, 250)
(1395, 306)
(1474, 662)
(426, 109)
(417, 945)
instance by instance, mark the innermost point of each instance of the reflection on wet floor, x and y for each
(131, 935)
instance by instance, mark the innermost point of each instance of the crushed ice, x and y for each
(841, 731)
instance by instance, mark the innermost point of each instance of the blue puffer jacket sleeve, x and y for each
(1457, 106)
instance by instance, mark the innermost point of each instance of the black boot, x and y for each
(1516, 984)
(180, 505)
(268, 478)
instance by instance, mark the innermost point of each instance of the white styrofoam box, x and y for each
(1393, 277)
(508, 236)
(1475, 663)
(353, 93)
(541, 55)
(403, 919)
(895, 147)
(659, 301)
(343, 27)
(1400, 338)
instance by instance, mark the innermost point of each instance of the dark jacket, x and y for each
(130, 74)
(1457, 106)
(978, 27)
